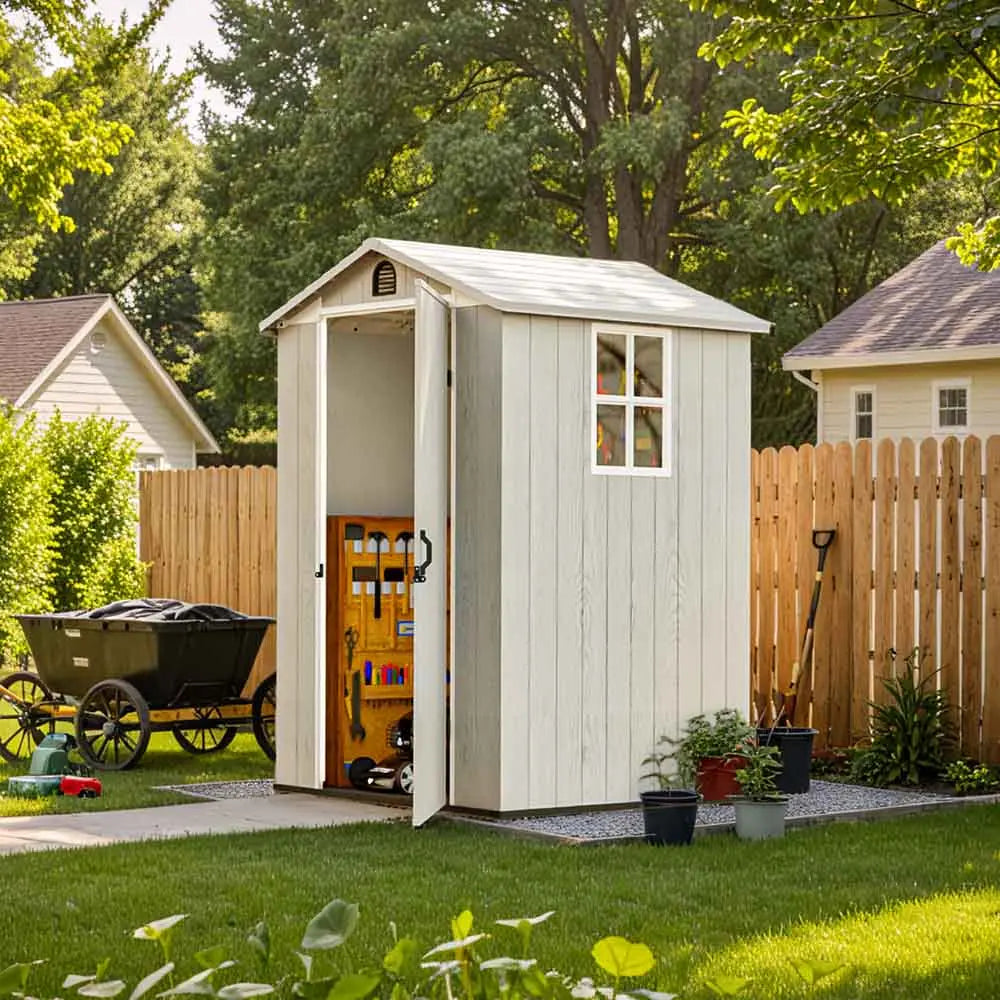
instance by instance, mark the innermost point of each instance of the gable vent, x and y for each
(384, 279)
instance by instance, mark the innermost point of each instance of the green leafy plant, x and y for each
(94, 512)
(701, 737)
(456, 969)
(971, 778)
(757, 777)
(912, 733)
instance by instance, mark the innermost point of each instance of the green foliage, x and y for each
(971, 778)
(453, 970)
(757, 777)
(26, 532)
(912, 733)
(701, 737)
(94, 512)
(882, 99)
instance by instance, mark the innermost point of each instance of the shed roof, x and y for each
(550, 285)
(936, 304)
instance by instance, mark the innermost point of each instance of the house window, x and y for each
(864, 414)
(631, 421)
(951, 406)
(146, 463)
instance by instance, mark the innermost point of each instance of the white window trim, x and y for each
(665, 402)
(951, 383)
(855, 389)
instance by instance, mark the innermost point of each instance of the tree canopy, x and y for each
(881, 98)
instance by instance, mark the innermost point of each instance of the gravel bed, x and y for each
(257, 788)
(824, 798)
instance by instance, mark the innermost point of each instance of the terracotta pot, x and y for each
(717, 778)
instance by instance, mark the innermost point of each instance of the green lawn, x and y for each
(912, 905)
(164, 763)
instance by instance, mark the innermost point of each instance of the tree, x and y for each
(883, 97)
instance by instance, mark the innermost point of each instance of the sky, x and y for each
(185, 24)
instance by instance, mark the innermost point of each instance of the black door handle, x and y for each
(420, 570)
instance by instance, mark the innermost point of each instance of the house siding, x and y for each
(903, 399)
(112, 382)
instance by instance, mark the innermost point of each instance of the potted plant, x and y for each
(703, 752)
(760, 807)
(668, 811)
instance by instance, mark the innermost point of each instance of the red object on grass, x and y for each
(82, 788)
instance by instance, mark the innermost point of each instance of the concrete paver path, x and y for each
(281, 811)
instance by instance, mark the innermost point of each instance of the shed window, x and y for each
(631, 424)
(384, 278)
(952, 407)
(864, 414)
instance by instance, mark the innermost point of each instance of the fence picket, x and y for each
(972, 596)
(949, 665)
(927, 573)
(991, 674)
(885, 484)
(805, 565)
(824, 643)
(768, 552)
(840, 583)
(787, 619)
(906, 547)
(861, 603)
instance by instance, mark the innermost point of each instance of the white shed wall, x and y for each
(904, 398)
(112, 382)
(370, 423)
(624, 601)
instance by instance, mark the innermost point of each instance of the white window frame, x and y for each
(664, 403)
(855, 389)
(950, 383)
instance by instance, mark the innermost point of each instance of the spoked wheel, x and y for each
(263, 708)
(112, 726)
(205, 738)
(404, 778)
(23, 721)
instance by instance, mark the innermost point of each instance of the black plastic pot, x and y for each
(669, 815)
(796, 755)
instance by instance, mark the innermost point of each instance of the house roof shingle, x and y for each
(934, 303)
(33, 332)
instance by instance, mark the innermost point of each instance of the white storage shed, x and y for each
(558, 450)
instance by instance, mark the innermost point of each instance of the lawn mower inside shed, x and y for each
(51, 772)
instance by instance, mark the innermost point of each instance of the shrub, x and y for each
(26, 532)
(94, 511)
(972, 778)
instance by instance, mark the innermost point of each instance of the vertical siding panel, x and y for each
(642, 690)
(690, 415)
(991, 679)
(884, 501)
(972, 596)
(572, 375)
(618, 677)
(949, 664)
(544, 458)
(861, 614)
(906, 547)
(516, 718)
(930, 659)
(595, 636)
(714, 543)
(737, 553)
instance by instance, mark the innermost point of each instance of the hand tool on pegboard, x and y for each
(378, 537)
(354, 710)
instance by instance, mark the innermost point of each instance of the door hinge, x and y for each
(449, 378)
(319, 573)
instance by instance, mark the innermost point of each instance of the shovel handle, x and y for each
(823, 538)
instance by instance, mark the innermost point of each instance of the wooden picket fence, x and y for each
(915, 564)
(210, 536)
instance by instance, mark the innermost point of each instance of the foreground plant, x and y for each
(454, 969)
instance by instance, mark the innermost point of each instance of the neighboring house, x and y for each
(80, 355)
(918, 356)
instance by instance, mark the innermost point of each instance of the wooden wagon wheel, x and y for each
(112, 726)
(22, 717)
(204, 739)
(263, 708)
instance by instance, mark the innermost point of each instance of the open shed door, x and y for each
(430, 515)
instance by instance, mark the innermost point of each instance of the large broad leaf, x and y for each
(461, 926)
(70, 981)
(243, 991)
(331, 927)
(455, 945)
(260, 940)
(727, 986)
(15, 977)
(507, 964)
(402, 957)
(199, 984)
(813, 971)
(158, 928)
(314, 989)
(145, 985)
(210, 958)
(354, 986)
(619, 957)
(102, 991)
(531, 921)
